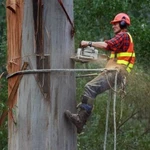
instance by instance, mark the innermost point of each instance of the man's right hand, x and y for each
(84, 43)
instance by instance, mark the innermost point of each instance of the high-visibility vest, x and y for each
(125, 58)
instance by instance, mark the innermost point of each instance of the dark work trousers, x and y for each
(104, 81)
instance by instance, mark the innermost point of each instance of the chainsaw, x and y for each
(87, 53)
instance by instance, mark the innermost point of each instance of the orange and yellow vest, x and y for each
(125, 58)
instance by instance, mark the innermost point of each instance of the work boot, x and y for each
(79, 119)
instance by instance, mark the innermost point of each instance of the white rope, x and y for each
(114, 114)
(114, 110)
(121, 109)
(107, 118)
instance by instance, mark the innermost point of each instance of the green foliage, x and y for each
(3, 81)
(92, 22)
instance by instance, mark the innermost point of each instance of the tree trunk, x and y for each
(39, 34)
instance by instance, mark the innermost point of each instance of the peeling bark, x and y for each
(39, 34)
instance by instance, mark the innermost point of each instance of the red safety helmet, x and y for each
(121, 17)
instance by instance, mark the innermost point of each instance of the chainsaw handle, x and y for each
(82, 48)
(80, 45)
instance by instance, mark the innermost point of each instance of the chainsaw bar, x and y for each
(82, 59)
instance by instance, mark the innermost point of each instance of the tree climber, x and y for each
(122, 59)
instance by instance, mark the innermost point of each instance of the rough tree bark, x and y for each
(39, 34)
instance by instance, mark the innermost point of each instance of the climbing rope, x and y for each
(114, 113)
(34, 71)
(114, 110)
(107, 117)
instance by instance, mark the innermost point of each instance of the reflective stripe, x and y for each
(112, 55)
(125, 63)
(122, 62)
(130, 65)
(128, 69)
(128, 54)
(124, 54)
(130, 37)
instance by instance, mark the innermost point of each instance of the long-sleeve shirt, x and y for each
(119, 43)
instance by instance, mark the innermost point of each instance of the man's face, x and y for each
(116, 27)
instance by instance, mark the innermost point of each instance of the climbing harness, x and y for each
(123, 82)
